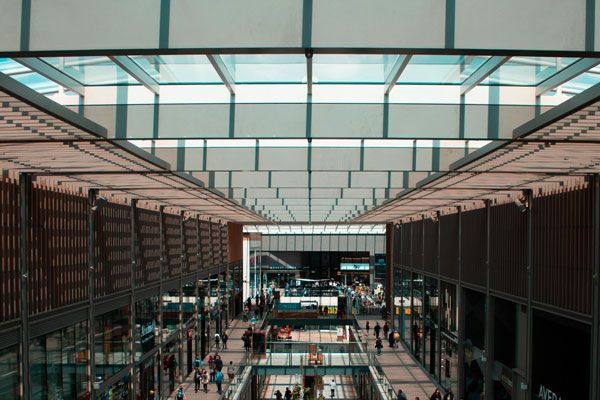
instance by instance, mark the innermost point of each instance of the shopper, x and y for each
(205, 380)
(218, 363)
(436, 395)
(391, 340)
(332, 387)
(217, 340)
(288, 394)
(377, 329)
(386, 329)
(197, 379)
(219, 381)
(231, 371)
(224, 339)
(278, 395)
(396, 338)
(378, 346)
(449, 395)
(180, 394)
(197, 362)
(367, 327)
(401, 395)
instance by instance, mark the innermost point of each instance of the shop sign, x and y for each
(354, 266)
(546, 394)
(147, 334)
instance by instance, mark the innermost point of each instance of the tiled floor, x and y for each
(400, 368)
(235, 352)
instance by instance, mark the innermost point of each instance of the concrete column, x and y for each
(460, 304)
(132, 381)
(489, 311)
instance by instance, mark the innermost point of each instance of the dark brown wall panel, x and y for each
(508, 250)
(191, 245)
(148, 247)
(562, 250)
(235, 242)
(449, 245)
(58, 253)
(417, 244)
(9, 250)
(473, 246)
(430, 246)
(112, 249)
(173, 245)
(406, 249)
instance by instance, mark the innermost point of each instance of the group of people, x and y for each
(437, 395)
(393, 337)
(213, 374)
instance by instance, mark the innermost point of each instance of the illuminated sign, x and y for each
(354, 266)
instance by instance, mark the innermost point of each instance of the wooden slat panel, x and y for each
(173, 245)
(148, 231)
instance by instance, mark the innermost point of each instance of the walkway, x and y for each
(344, 386)
(400, 368)
(234, 352)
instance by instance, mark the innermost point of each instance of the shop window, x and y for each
(111, 342)
(9, 373)
(58, 364)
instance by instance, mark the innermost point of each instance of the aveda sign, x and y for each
(547, 394)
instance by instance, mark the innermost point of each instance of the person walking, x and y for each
(367, 327)
(332, 387)
(386, 329)
(219, 381)
(396, 338)
(217, 340)
(180, 394)
(449, 395)
(288, 394)
(197, 378)
(401, 395)
(377, 329)
(391, 340)
(378, 346)
(231, 371)
(224, 339)
(218, 363)
(436, 395)
(205, 380)
(278, 395)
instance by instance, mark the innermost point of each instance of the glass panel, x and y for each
(527, 71)
(582, 82)
(9, 373)
(266, 68)
(449, 70)
(342, 68)
(37, 82)
(9, 67)
(184, 69)
(59, 364)
(111, 342)
(91, 70)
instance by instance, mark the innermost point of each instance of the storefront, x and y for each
(430, 324)
(561, 358)
(111, 341)
(417, 331)
(58, 364)
(118, 390)
(505, 338)
(9, 372)
(474, 365)
(449, 337)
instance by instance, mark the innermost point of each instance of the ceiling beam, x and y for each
(396, 71)
(55, 75)
(136, 72)
(309, 72)
(566, 74)
(221, 69)
(485, 70)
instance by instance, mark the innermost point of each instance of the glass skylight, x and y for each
(347, 229)
(93, 71)
(179, 69)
